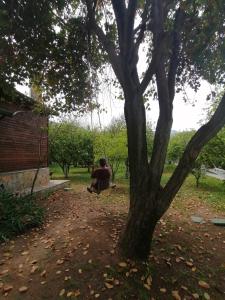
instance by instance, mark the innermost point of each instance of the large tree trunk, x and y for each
(148, 200)
(142, 219)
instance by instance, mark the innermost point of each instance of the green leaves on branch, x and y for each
(70, 144)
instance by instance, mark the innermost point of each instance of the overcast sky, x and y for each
(185, 115)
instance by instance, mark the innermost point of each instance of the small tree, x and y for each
(112, 144)
(198, 170)
(69, 145)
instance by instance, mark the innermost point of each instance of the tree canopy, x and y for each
(70, 144)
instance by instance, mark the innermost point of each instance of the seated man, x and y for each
(101, 178)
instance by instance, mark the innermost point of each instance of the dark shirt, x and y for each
(101, 174)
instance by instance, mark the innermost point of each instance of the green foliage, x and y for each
(112, 144)
(177, 144)
(52, 42)
(18, 213)
(49, 43)
(69, 145)
(213, 154)
(199, 169)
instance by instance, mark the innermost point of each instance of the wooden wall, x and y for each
(23, 140)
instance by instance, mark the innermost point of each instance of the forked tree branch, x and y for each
(163, 128)
(198, 141)
(174, 59)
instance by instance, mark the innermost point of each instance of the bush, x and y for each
(17, 214)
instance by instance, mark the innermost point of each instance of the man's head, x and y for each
(102, 162)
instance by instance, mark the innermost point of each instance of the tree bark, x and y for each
(137, 238)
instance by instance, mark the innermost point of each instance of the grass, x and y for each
(210, 190)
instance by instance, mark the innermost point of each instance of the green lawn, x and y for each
(210, 190)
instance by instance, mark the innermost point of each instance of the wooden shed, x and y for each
(23, 141)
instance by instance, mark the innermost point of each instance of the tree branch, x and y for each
(158, 41)
(174, 59)
(108, 46)
(131, 11)
(198, 141)
(163, 128)
(119, 8)
(142, 26)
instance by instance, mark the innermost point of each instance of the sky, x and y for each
(185, 115)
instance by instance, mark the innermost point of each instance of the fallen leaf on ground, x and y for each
(62, 292)
(33, 269)
(77, 293)
(176, 295)
(23, 289)
(203, 284)
(148, 287)
(122, 264)
(7, 288)
(108, 285)
(206, 296)
(60, 261)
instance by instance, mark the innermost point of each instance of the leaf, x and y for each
(116, 282)
(7, 288)
(77, 293)
(148, 287)
(206, 296)
(203, 284)
(176, 295)
(60, 261)
(149, 280)
(23, 289)
(108, 285)
(62, 292)
(122, 264)
(195, 296)
(163, 290)
(33, 269)
(97, 295)
(189, 263)
(133, 270)
(69, 294)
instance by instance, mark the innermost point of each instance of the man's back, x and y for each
(101, 174)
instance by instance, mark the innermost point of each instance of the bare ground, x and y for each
(75, 256)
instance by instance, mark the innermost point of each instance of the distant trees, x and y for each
(70, 144)
(112, 144)
(212, 154)
(178, 143)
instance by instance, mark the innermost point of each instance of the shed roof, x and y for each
(8, 93)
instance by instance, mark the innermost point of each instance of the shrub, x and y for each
(18, 213)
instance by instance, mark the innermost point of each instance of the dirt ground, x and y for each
(75, 256)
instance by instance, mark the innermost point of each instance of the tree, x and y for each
(112, 144)
(177, 145)
(69, 145)
(185, 43)
(179, 51)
